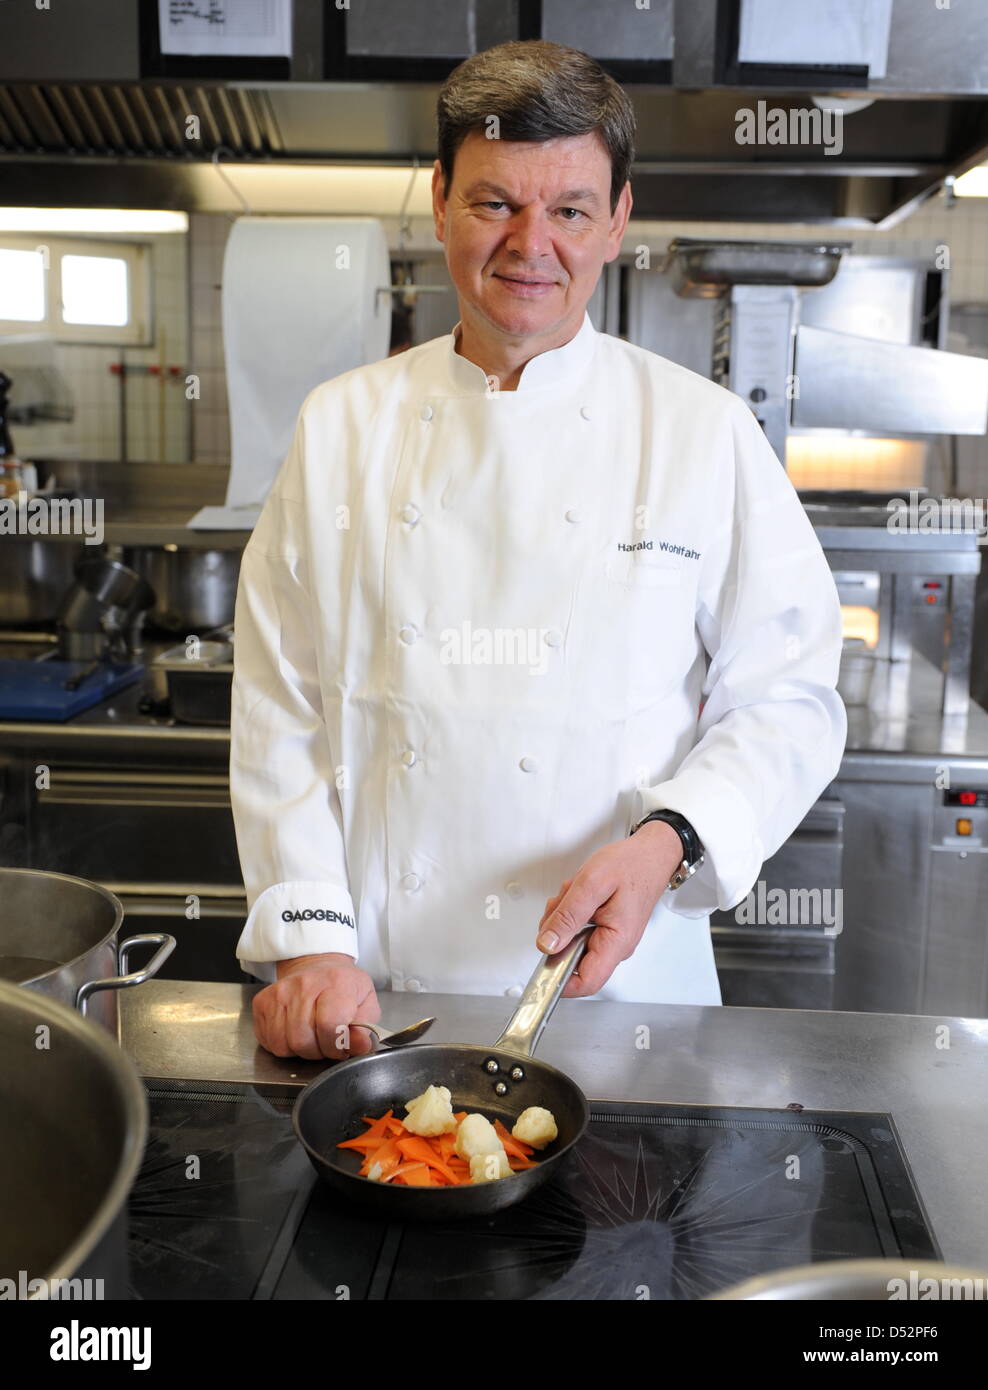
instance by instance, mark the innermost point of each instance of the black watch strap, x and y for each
(693, 850)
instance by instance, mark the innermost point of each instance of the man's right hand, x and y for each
(313, 1008)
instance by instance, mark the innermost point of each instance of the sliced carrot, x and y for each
(511, 1144)
(378, 1128)
(361, 1145)
(414, 1174)
(459, 1115)
(389, 1156)
(415, 1160)
(418, 1149)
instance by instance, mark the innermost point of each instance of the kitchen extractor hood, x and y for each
(730, 127)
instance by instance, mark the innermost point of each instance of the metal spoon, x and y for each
(387, 1038)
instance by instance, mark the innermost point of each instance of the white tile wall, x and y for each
(157, 415)
(210, 418)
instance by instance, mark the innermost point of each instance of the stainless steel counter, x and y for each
(711, 1056)
(158, 528)
(148, 503)
(923, 730)
(116, 727)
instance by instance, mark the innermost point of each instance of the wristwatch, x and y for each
(693, 851)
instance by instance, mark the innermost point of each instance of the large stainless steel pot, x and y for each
(58, 936)
(34, 574)
(196, 590)
(73, 1116)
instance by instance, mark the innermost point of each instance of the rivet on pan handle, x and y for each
(524, 1027)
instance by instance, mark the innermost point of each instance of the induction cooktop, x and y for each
(655, 1202)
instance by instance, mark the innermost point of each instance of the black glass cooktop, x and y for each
(656, 1201)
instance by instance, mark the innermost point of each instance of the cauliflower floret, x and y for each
(430, 1113)
(476, 1135)
(488, 1167)
(535, 1126)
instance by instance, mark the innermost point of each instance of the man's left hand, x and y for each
(616, 889)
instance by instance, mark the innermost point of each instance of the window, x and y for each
(80, 291)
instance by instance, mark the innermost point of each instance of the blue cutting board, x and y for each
(33, 689)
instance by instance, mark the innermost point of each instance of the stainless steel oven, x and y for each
(162, 839)
(778, 948)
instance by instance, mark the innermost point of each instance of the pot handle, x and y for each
(165, 943)
(524, 1027)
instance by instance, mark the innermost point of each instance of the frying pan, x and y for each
(499, 1081)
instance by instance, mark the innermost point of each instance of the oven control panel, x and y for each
(960, 819)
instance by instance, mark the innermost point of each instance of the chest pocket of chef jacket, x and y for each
(636, 621)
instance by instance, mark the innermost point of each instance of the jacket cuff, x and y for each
(724, 821)
(299, 918)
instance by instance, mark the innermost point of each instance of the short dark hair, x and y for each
(538, 91)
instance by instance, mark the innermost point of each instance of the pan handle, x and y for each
(524, 1027)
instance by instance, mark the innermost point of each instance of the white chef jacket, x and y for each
(474, 631)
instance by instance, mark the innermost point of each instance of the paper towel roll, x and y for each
(300, 305)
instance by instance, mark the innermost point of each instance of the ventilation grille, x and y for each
(107, 119)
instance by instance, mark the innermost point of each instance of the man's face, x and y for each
(527, 229)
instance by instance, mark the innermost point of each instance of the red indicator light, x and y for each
(968, 798)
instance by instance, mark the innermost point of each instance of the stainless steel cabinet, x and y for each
(916, 892)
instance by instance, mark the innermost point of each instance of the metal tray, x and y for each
(708, 269)
(199, 689)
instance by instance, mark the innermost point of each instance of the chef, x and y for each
(513, 593)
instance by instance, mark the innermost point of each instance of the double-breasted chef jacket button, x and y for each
(573, 514)
(410, 514)
(425, 413)
(411, 883)
(409, 757)
(514, 992)
(514, 890)
(414, 986)
(408, 634)
(553, 637)
(528, 765)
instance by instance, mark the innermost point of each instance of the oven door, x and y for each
(778, 948)
(163, 840)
